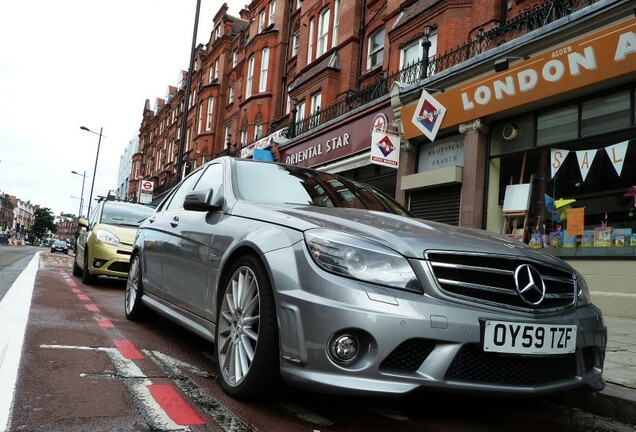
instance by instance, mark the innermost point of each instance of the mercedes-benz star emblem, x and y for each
(529, 284)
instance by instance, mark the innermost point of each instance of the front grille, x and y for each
(474, 365)
(122, 267)
(409, 355)
(490, 279)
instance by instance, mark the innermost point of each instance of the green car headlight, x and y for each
(362, 259)
(107, 237)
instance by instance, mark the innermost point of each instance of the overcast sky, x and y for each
(71, 63)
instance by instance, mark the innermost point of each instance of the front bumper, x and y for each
(107, 260)
(411, 341)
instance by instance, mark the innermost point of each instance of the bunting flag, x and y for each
(585, 158)
(616, 153)
(558, 156)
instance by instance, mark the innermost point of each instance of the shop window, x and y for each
(605, 114)
(557, 125)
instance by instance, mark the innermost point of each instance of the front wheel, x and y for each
(132, 300)
(246, 344)
(87, 277)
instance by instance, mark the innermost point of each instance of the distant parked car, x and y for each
(104, 243)
(335, 287)
(59, 246)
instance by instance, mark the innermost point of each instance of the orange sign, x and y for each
(596, 57)
(576, 224)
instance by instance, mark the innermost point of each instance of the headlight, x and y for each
(107, 237)
(362, 259)
(583, 292)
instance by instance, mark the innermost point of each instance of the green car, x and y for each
(104, 243)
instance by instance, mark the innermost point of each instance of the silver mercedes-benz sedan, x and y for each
(306, 278)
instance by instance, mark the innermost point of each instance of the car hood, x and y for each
(410, 237)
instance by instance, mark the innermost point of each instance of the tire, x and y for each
(87, 278)
(133, 307)
(77, 271)
(247, 329)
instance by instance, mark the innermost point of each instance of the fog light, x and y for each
(97, 263)
(344, 348)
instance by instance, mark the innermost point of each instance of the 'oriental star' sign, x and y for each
(428, 115)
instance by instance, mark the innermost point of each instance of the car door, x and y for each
(185, 253)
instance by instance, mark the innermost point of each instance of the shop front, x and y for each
(549, 145)
(346, 148)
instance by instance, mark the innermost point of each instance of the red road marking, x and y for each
(104, 323)
(91, 307)
(176, 408)
(71, 283)
(128, 350)
(83, 297)
(77, 290)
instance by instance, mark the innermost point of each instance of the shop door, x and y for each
(439, 204)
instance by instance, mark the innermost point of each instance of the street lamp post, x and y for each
(99, 142)
(426, 47)
(82, 194)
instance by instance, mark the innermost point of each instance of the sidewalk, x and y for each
(618, 399)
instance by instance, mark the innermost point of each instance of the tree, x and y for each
(44, 222)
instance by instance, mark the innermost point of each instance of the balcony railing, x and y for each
(529, 20)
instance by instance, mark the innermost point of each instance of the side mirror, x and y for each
(200, 200)
(83, 222)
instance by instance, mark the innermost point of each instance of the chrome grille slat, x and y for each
(490, 279)
(478, 287)
(473, 268)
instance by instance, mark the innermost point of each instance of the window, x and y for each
(211, 74)
(217, 31)
(212, 178)
(414, 52)
(310, 44)
(272, 11)
(216, 69)
(299, 4)
(176, 202)
(208, 123)
(250, 77)
(258, 131)
(200, 122)
(300, 114)
(262, 83)
(376, 49)
(234, 58)
(557, 125)
(295, 41)
(605, 114)
(243, 137)
(315, 102)
(336, 23)
(323, 32)
(228, 135)
(230, 94)
(261, 21)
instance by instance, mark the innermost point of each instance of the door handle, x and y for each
(174, 222)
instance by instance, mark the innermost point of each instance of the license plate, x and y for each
(523, 338)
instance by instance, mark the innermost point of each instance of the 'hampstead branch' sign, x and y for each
(596, 57)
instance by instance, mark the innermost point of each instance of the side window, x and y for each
(176, 202)
(212, 178)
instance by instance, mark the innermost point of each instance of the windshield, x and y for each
(116, 213)
(271, 183)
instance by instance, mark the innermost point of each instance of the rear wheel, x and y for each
(87, 277)
(246, 333)
(133, 307)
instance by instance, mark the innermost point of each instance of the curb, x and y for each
(613, 401)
